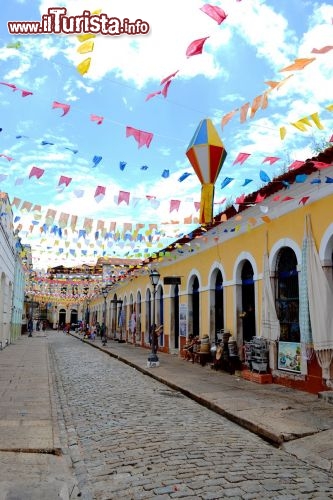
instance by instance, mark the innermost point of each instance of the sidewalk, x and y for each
(298, 422)
(31, 464)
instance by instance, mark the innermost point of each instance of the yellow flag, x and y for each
(283, 132)
(329, 107)
(86, 47)
(84, 66)
(299, 125)
(315, 118)
(86, 36)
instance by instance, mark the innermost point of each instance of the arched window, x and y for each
(287, 295)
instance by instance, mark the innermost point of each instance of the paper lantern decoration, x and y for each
(206, 154)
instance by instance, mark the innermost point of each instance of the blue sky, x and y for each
(252, 45)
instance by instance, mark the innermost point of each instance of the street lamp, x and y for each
(153, 360)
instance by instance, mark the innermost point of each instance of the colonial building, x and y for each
(246, 273)
(12, 276)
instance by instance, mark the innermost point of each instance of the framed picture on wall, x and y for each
(183, 320)
(289, 356)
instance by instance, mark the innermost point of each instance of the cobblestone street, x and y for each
(132, 437)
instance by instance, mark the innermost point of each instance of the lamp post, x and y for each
(153, 360)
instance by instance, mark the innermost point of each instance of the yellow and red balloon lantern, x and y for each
(206, 154)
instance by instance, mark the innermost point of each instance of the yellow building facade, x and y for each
(221, 272)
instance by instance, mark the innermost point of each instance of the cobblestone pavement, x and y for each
(131, 437)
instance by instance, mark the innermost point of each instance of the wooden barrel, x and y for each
(205, 345)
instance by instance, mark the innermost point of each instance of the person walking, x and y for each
(30, 327)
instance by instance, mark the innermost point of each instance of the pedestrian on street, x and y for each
(157, 331)
(30, 327)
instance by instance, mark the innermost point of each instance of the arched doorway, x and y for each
(62, 317)
(175, 315)
(74, 317)
(195, 307)
(248, 308)
(287, 295)
(219, 308)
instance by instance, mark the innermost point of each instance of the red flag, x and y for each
(287, 198)
(196, 47)
(36, 172)
(142, 138)
(97, 119)
(303, 200)
(214, 12)
(64, 107)
(241, 158)
(64, 180)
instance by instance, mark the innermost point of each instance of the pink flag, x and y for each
(123, 196)
(271, 159)
(174, 205)
(97, 119)
(166, 88)
(240, 199)
(323, 50)
(99, 193)
(197, 205)
(25, 93)
(142, 138)
(9, 158)
(100, 190)
(11, 85)
(241, 158)
(36, 172)
(259, 198)
(214, 12)
(295, 165)
(169, 77)
(64, 180)
(196, 47)
(320, 165)
(64, 107)
(153, 94)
